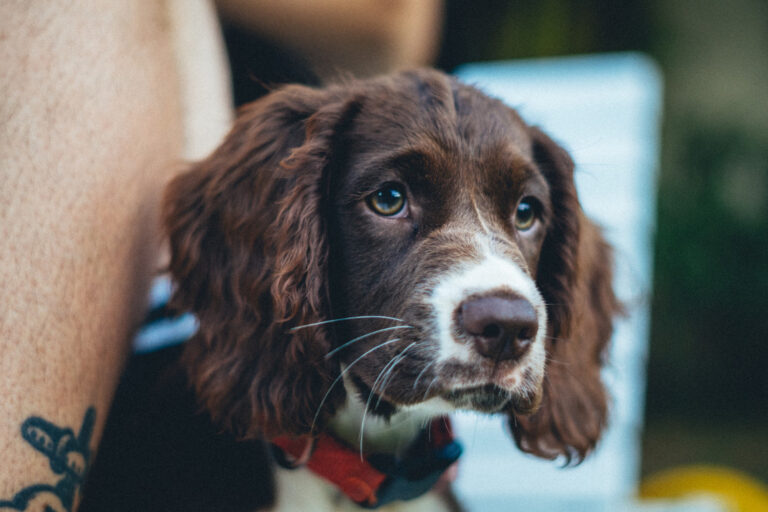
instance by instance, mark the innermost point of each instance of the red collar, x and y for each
(377, 479)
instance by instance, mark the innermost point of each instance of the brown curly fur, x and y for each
(249, 255)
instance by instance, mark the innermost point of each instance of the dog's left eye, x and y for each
(389, 200)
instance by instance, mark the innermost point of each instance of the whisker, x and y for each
(385, 382)
(388, 374)
(385, 373)
(368, 402)
(421, 373)
(329, 354)
(336, 380)
(429, 387)
(344, 320)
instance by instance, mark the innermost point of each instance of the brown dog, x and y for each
(371, 256)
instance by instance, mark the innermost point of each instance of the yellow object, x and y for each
(738, 491)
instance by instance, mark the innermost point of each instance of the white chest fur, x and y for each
(300, 490)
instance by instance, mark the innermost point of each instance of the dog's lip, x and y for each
(484, 397)
(506, 376)
(479, 388)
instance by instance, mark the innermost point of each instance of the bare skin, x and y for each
(94, 119)
(90, 129)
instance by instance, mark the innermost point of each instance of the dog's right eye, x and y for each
(388, 201)
(526, 213)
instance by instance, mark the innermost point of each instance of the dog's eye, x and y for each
(389, 200)
(525, 214)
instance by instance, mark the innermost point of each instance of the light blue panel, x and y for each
(165, 332)
(605, 110)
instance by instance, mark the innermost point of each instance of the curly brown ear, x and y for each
(575, 276)
(248, 256)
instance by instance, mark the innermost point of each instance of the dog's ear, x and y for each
(575, 278)
(249, 256)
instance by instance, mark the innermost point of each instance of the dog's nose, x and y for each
(501, 328)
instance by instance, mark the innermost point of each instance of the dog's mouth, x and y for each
(491, 399)
(487, 398)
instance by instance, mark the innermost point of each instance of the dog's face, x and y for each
(406, 234)
(439, 214)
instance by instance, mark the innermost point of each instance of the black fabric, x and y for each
(159, 454)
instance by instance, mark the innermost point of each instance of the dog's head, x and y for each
(408, 234)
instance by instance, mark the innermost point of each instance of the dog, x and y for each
(363, 259)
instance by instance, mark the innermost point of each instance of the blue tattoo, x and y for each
(68, 455)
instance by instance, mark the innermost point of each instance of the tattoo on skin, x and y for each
(68, 455)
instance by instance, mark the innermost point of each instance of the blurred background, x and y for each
(707, 372)
(707, 387)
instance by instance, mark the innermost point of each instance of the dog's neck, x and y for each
(373, 433)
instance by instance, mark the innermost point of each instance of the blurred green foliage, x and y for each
(710, 307)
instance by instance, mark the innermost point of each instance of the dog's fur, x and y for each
(318, 314)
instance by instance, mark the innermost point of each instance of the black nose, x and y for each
(501, 328)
